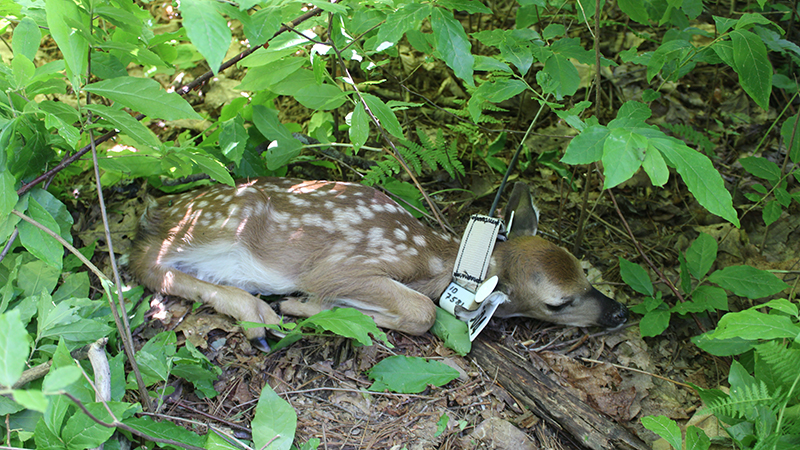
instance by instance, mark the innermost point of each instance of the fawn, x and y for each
(347, 245)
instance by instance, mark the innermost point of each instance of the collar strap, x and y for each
(465, 295)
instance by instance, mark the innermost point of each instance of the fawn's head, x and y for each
(544, 281)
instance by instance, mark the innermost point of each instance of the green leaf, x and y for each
(623, 153)
(60, 378)
(635, 9)
(709, 298)
(747, 281)
(39, 243)
(753, 325)
(384, 114)
(207, 30)
(233, 139)
(753, 66)
(761, 168)
(275, 422)
(406, 18)
(127, 125)
(144, 95)
(26, 38)
(348, 322)
(722, 347)
(81, 432)
(62, 18)
(8, 195)
(469, 6)
(700, 177)
(13, 347)
(655, 166)
(564, 74)
(31, 399)
(671, 51)
(453, 332)
(452, 44)
(666, 428)
(587, 147)
(321, 97)
(654, 322)
(771, 212)
(410, 375)
(164, 430)
(359, 126)
(499, 90)
(263, 24)
(268, 76)
(635, 276)
(701, 255)
(213, 168)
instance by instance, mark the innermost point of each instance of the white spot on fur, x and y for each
(400, 234)
(419, 240)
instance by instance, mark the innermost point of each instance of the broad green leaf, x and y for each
(164, 430)
(233, 139)
(753, 325)
(359, 126)
(791, 134)
(281, 152)
(761, 168)
(384, 114)
(82, 331)
(722, 347)
(39, 243)
(655, 166)
(469, 6)
(13, 348)
(31, 399)
(274, 423)
(489, 64)
(747, 281)
(62, 18)
(623, 153)
(8, 195)
(23, 70)
(266, 77)
(500, 90)
(263, 24)
(81, 432)
(701, 255)
(783, 305)
(771, 212)
(452, 44)
(710, 298)
(144, 95)
(635, 9)
(60, 378)
(347, 322)
(267, 122)
(631, 114)
(213, 168)
(753, 66)
(321, 97)
(700, 176)
(636, 277)
(406, 17)
(127, 125)
(587, 147)
(410, 375)
(654, 323)
(453, 332)
(564, 74)
(671, 51)
(517, 53)
(666, 428)
(26, 38)
(207, 29)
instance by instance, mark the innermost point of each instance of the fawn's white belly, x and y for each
(231, 265)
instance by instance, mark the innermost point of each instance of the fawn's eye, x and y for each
(566, 302)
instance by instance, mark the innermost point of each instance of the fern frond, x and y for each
(688, 133)
(744, 401)
(378, 173)
(783, 362)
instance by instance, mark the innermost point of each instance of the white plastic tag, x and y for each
(457, 295)
(485, 312)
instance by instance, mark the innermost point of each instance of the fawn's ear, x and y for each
(526, 215)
